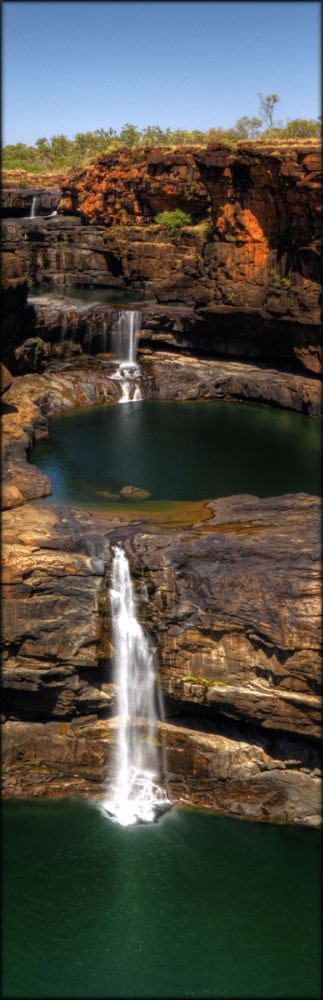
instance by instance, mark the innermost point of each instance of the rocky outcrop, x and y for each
(263, 221)
(232, 607)
(224, 773)
(208, 331)
(173, 376)
(29, 401)
(45, 179)
(133, 187)
(247, 266)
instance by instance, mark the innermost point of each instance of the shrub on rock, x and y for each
(173, 220)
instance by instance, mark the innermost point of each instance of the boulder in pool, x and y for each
(134, 493)
(107, 494)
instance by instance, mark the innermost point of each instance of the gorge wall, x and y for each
(230, 309)
(243, 279)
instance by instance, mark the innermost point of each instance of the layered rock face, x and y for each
(16, 202)
(230, 593)
(247, 267)
(62, 251)
(261, 208)
(237, 650)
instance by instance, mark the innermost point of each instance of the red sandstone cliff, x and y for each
(249, 260)
(259, 247)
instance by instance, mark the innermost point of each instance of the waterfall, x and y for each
(134, 794)
(33, 207)
(124, 333)
(124, 336)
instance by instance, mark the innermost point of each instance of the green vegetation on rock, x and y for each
(279, 282)
(38, 350)
(61, 153)
(173, 220)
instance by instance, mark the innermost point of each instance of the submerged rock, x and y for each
(134, 493)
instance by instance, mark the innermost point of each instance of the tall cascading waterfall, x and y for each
(134, 794)
(124, 336)
(33, 208)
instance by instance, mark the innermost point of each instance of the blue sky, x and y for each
(74, 67)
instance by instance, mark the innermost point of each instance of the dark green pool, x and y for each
(180, 451)
(197, 905)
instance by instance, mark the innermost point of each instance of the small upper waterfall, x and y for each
(125, 332)
(134, 794)
(33, 208)
(124, 335)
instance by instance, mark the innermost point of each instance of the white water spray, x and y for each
(33, 207)
(124, 335)
(134, 795)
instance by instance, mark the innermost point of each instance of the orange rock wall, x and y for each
(255, 194)
(260, 205)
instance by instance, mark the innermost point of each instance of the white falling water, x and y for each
(33, 207)
(124, 336)
(125, 391)
(134, 795)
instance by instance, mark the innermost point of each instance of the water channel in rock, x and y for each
(178, 451)
(196, 905)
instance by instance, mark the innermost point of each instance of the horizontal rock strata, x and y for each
(233, 610)
(211, 332)
(16, 201)
(231, 597)
(250, 258)
(225, 774)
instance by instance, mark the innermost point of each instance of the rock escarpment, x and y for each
(233, 593)
(237, 650)
(247, 267)
(261, 208)
(233, 603)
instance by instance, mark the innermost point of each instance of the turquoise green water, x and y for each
(180, 451)
(197, 905)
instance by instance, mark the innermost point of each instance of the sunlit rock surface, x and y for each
(229, 310)
(233, 608)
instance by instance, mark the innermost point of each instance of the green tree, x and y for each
(173, 220)
(248, 127)
(130, 135)
(43, 147)
(153, 135)
(302, 128)
(266, 107)
(60, 147)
